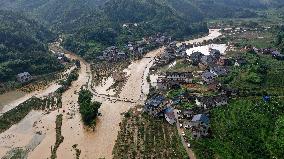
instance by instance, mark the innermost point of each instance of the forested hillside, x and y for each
(23, 47)
(93, 17)
(103, 27)
(60, 14)
(52, 11)
(91, 25)
(69, 16)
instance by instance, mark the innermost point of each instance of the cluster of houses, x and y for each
(197, 123)
(112, 54)
(215, 64)
(214, 58)
(196, 120)
(238, 30)
(172, 52)
(268, 51)
(135, 49)
(210, 102)
(210, 75)
(173, 80)
(159, 106)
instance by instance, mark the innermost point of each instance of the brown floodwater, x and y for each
(14, 98)
(93, 144)
(9, 97)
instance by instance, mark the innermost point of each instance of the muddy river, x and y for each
(36, 133)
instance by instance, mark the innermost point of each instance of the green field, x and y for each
(142, 136)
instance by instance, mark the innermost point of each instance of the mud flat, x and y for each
(103, 87)
(22, 135)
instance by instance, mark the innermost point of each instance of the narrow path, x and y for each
(180, 130)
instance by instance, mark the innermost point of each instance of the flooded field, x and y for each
(14, 98)
(36, 133)
(213, 33)
(206, 49)
(104, 87)
(9, 97)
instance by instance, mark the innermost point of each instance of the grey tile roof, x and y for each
(200, 118)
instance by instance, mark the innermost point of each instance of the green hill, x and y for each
(23, 47)
(66, 15)
(91, 25)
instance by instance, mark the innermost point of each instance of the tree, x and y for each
(88, 109)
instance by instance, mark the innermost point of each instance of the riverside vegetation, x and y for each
(88, 109)
(59, 137)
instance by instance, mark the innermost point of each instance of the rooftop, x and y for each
(23, 74)
(208, 75)
(155, 101)
(200, 117)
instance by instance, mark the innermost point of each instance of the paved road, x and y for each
(180, 130)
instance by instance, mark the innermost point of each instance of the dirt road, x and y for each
(180, 130)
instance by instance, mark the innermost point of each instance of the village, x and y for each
(134, 50)
(184, 80)
(184, 98)
(142, 79)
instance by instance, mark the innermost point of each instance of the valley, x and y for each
(169, 79)
(74, 132)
